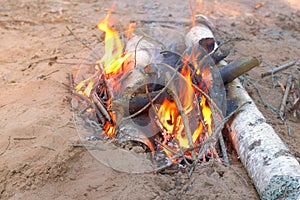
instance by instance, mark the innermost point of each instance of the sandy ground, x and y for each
(37, 159)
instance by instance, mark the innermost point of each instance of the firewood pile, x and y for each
(159, 89)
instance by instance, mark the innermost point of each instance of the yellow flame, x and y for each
(207, 114)
(167, 114)
(186, 90)
(113, 57)
(89, 88)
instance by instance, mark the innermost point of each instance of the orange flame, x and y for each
(170, 117)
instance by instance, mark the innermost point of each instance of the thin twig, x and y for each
(7, 146)
(184, 157)
(84, 109)
(157, 170)
(262, 100)
(71, 81)
(285, 96)
(78, 39)
(223, 147)
(278, 69)
(214, 152)
(187, 22)
(89, 146)
(101, 108)
(24, 138)
(237, 173)
(221, 139)
(49, 148)
(93, 124)
(52, 59)
(74, 63)
(44, 76)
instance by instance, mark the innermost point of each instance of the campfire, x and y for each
(159, 89)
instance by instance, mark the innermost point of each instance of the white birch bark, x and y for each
(273, 169)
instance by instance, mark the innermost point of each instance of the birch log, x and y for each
(269, 163)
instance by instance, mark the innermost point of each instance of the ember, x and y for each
(166, 95)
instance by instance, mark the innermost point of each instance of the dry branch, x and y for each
(285, 96)
(278, 69)
(101, 107)
(78, 39)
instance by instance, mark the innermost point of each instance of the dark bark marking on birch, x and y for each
(254, 145)
(282, 152)
(266, 160)
(257, 122)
